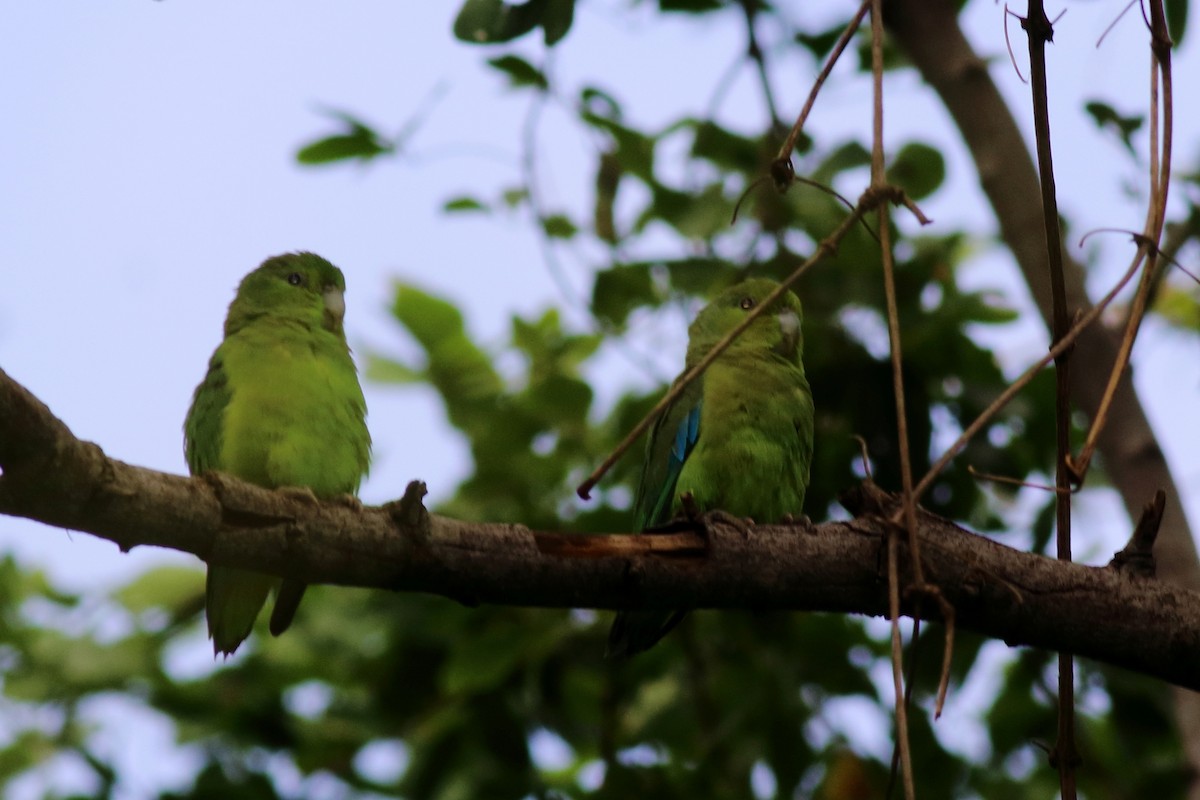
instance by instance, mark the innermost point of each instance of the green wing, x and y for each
(202, 429)
(672, 440)
(233, 597)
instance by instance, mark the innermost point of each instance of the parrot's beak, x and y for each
(789, 329)
(335, 307)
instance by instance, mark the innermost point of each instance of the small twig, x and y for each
(878, 180)
(1040, 30)
(1078, 465)
(948, 619)
(1117, 19)
(897, 655)
(1178, 234)
(1008, 42)
(865, 454)
(1148, 249)
(829, 190)
(755, 52)
(1005, 479)
(789, 144)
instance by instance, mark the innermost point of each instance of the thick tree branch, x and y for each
(1106, 613)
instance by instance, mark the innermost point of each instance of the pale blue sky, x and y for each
(146, 164)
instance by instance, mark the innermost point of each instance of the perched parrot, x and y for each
(739, 438)
(279, 407)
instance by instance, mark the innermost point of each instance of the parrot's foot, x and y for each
(741, 524)
(705, 518)
(801, 521)
(349, 501)
(220, 483)
(687, 502)
(301, 493)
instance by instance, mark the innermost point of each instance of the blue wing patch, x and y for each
(656, 493)
(685, 438)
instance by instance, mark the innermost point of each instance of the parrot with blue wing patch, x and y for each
(738, 440)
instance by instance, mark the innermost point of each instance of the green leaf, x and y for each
(381, 369)
(850, 155)
(697, 215)
(893, 56)
(620, 289)
(690, 6)
(1108, 119)
(633, 149)
(822, 42)
(359, 141)
(494, 21)
(460, 371)
(623, 288)
(560, 400)
(918, 168)
(608, 180)
(598, 103)
(519, 71)
(27, 749)
(515, 196)
(558, 226)
(430, 319)
(557, 17)
(464, 203)
(725, 148)
(170, 588)
(1178, 306)
(699, 276)
(66, 665)
(362, 146)
(1177, 14)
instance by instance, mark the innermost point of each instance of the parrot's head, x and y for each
(298, 287)
(775, 330)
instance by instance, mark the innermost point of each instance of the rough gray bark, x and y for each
(1114, 614)
(928, 31)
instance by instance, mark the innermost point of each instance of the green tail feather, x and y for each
(235, 596)
(286, 602)
(635, 632)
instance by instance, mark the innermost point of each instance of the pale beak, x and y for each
(789, 327)
(335, 305)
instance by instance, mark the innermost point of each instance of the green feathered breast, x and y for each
(280, 406)
(739, 438)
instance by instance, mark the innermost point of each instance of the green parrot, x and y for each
(279, 407)
(739, 438)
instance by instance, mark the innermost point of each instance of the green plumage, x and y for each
(739, 438)
(280, 406)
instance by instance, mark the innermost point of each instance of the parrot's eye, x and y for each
(295, 279)
(747, 303)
